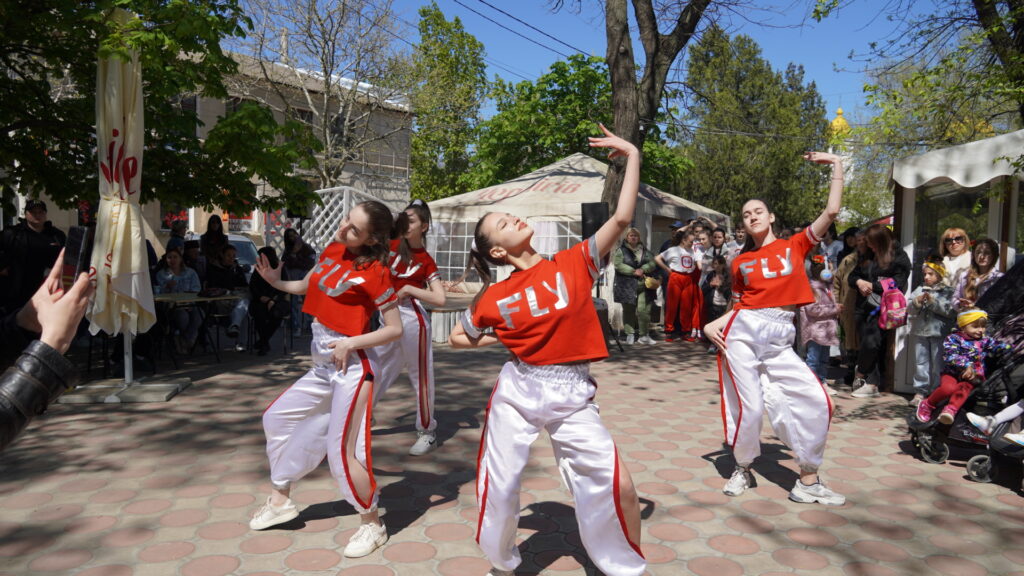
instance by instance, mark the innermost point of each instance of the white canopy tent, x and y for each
(950, 182)
(550, 199)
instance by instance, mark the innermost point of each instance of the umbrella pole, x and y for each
(128, 375)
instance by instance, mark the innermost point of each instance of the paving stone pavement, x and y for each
(167, 488)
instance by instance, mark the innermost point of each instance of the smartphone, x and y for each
(77, 254)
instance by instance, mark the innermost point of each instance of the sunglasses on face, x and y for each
(954, 239)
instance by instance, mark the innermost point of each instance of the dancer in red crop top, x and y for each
(416, 280)
(544, 314)
(327, 411)
(757, 366)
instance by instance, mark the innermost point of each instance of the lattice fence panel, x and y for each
(337, 202)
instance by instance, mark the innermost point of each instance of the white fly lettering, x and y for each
(343, 283)
(787, 267)
(395, 260)
(506, 308)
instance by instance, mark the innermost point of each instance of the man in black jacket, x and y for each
(224, 272)
(32, 246)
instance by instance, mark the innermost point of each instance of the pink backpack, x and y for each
(892, 312)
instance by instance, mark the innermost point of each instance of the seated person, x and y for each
(173, 277)
(268, 305)
(195, 260)
(225, 272)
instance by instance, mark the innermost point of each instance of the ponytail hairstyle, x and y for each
(748, 242)
(381, 221)
(480, 260)
(401, 228)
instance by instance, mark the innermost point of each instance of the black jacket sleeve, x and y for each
(36, 379)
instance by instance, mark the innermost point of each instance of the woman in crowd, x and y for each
(327, 411)
(885, 259)
(175, 277)
(214, 239)
(979, 276)
(544, 314)
(756, 339)
(416, 281)
(633, 263)
(955, 249)
(267, 305)
(846, 298)
(682, 294)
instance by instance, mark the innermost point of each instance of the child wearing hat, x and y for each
(931, 315)
(964, 355)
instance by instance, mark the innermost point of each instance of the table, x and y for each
(178, 299)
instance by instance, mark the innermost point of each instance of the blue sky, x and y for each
(792, 36)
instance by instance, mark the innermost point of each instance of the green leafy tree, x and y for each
(48, 53)
(449, 64)
(753, 125)
(951, 73)
(542, 122)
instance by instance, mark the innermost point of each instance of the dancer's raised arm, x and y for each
(609, 234)
(835, 191)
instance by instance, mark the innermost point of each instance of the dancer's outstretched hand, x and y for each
(619, 146)
(268, 272)
(821, 157)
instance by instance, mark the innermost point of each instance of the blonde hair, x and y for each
(630, 230)
(950, 233)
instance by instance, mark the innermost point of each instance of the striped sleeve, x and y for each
(467, 324)
(593, 258)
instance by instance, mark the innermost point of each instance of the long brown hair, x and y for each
(974, 273)
(882, 242)
(380, 219)
(401, 228)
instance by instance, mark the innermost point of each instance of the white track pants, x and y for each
(415, 351)
(759, 371)
(558, 399)
(316, 416)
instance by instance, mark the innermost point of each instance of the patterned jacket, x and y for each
(958, 353)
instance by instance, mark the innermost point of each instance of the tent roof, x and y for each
(556, 192)
(967, 165)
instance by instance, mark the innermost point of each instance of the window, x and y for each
(944, 206)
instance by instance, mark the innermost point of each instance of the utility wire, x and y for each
(532, 27)
(499, 24)
(490, 61)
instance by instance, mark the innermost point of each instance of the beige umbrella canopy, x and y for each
(124, 296)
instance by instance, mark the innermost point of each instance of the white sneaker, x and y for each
(425, 443)
(831, 391)
(630, 338)
(498, 572)
(646, 340)
(983, 423)
(367, 538)
(269, 515)
(866, 391)
(738, 483)
(1017, 438)
(916, 400)
(816, 492)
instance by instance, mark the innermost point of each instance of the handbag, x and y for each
(652, 282)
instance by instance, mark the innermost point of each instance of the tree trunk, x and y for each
(621, 67)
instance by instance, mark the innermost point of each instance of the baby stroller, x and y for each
(989, 457)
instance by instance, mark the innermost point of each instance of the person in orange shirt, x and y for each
(544, 314)
(327, 411)
(757, 366)
(415, 278)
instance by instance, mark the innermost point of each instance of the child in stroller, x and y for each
(995, 455)
(964, 354)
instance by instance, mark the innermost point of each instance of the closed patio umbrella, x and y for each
(123, 302)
